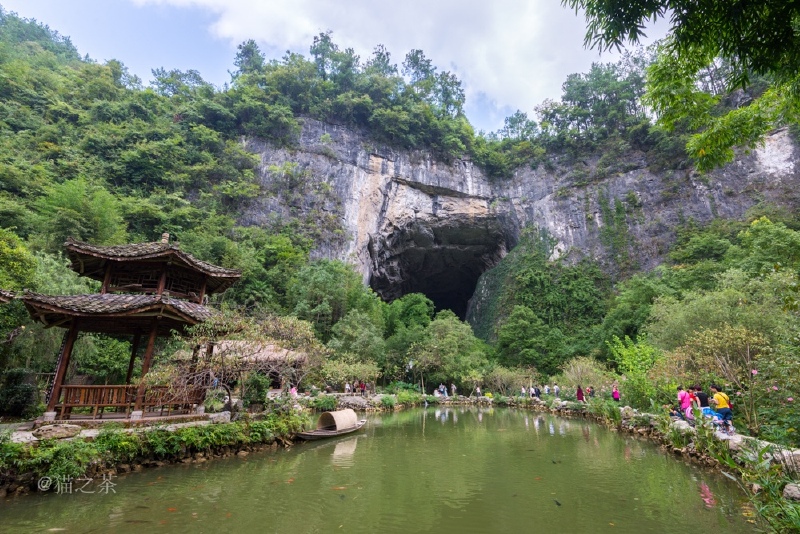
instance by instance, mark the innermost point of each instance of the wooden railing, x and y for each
(123, 399)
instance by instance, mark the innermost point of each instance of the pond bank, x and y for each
(69, 452)
(112, 451)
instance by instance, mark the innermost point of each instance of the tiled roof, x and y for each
(137, 251)
(6, 296)
(113, 304)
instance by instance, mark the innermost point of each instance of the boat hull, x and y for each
(313, 435)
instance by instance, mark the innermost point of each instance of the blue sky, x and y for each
(509, 54)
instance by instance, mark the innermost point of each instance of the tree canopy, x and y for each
(739, 43)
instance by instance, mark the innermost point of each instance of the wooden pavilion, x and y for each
(148, 290)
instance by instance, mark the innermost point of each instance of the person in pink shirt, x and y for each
(685, 402)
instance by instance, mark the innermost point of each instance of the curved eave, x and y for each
(133, 319)
(90, 260)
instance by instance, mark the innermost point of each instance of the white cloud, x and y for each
(509, 54)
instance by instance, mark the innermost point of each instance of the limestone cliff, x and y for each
(412, 223)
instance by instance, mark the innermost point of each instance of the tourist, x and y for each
(522, 391)
(547, 389)
(685, 403)
(723, 407)
(347, 388)
(556, 390)
(363, 387)
(590, 391)
(702, 397)
(478, 391)
(537, 393)
(453, 389)
(533, 391)
(615, 393)
(579, 394)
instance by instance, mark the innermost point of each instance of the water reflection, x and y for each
(343, 452)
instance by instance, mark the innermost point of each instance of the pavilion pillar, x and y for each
(203, 288)
(146, 359)
(134, 350)
(63, 364)
(162, 281)
(106, 279)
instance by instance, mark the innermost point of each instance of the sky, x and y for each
(509, 54)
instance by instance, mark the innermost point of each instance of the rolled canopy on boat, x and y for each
(337, 420)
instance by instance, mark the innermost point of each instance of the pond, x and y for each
(425, 470)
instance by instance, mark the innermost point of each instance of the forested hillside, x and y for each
(89, 151)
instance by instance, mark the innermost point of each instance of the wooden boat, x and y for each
(332, 424)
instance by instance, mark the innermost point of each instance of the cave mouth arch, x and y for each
(442, 259)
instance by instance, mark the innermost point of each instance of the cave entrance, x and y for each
(442, 260)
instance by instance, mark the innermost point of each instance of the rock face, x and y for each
(415, 224)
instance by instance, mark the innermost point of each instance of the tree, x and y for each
(751, 38)
(17, 270)
(420, 72)
(177, 82)
(17, 264)
(249, 59)
(635, 360)
(412, 309)
(357, 334)
(767, 246)
(525, 340)
(381, 63)
(506, 381)
(325, 291)
(82, 210)
(448, 350)
(755, 37)
(518, 127)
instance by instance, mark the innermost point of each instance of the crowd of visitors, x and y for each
(694, 402)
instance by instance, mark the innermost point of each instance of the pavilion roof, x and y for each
(90, 260)
(6, 296)
(114, 313)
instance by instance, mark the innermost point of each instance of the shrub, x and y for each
(396, 387)
(118, 446)
(502, 400)
(255, 388)
(409, 398)
(325, 403)
(388, 401)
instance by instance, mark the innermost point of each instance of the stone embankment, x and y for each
(16, 482)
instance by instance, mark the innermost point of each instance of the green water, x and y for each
(456, 470)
